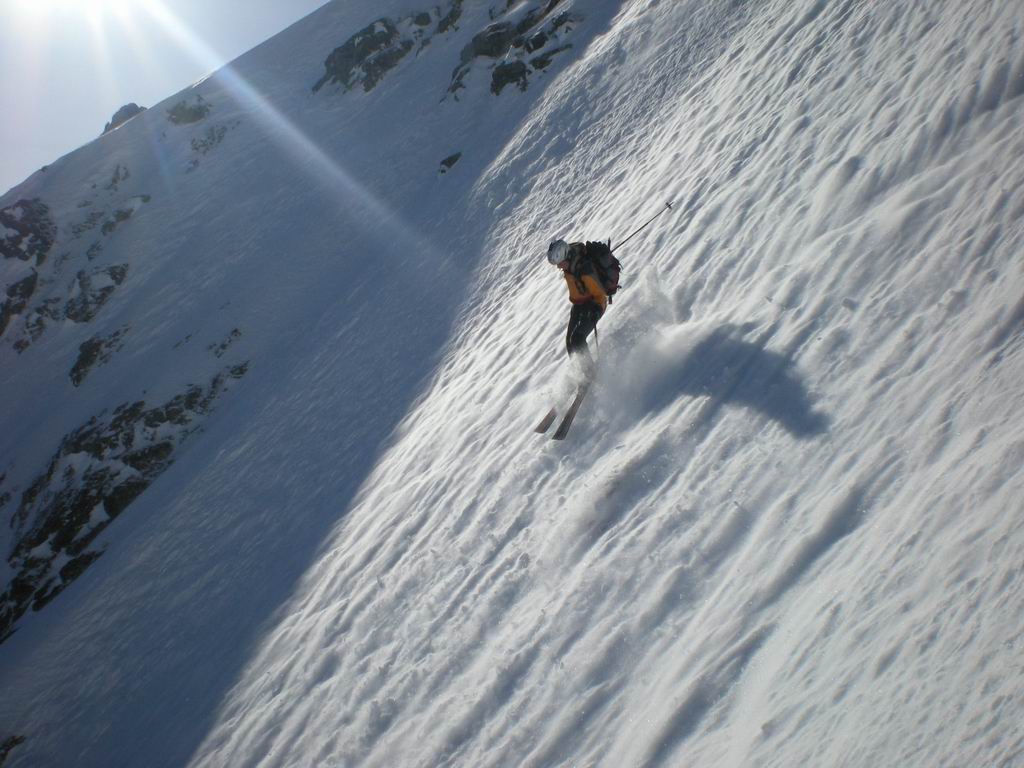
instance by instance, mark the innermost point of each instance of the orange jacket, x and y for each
(586, 288)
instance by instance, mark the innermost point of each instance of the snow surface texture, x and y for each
(785, 529)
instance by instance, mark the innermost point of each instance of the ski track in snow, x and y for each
(785, 527)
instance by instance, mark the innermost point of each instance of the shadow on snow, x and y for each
(730, 370)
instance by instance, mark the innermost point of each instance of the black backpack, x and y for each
(607, 266)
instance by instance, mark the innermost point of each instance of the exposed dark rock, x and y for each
(214, 135)
(373, 51)
(73, 569)
(7, 745)
(119, 216)
(380, 64)
(96, 473)
(506, 74)
(96, 351)
(27, 231)
(23, 289)
(537, 31)
(494, 42)
(185, 112)
(125, 493)
(122, 215)
(208, 141)
(146, 460)
(365, 57)
(18, 296)
(120, 174)
(449, 162)
(122, 116)
(91, 222)
(221, 349)
(35, 320)
(544, 61)
(93, 290)
(90, 289)
(536, 42)
(450, 20)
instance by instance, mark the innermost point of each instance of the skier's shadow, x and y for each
(729, 370)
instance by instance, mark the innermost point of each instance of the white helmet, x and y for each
(558, 251)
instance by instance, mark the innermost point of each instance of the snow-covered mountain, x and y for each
(272, 352)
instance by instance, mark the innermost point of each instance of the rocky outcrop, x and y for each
(35, 294)
(50, 309)
(5, 496)
(7, 745)
(513, 72)
(366, 57)
(449, 20)
(89, 292)
(219, 350)
(521, 44)
(95, 474)
(121, 173)
(214, 135)
(121, 215)
(90, 222)
(93, 290)
(95, 352)
(209, 140)
(27, 231)
(108, 220)
(512, 43)
(122, 116)
(449, 162)
(17, 299)
(186, 111)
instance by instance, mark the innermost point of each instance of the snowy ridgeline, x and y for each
(273, 352)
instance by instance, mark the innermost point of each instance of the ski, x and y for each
(546, 422)
(563, 428)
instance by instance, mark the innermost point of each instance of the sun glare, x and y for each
(86, 8)
(100, 18)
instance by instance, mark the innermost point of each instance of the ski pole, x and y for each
(668, 207)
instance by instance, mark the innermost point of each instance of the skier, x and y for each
(592, 274)
(587, 294)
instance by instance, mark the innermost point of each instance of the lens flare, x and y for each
(308, 155)
(85, 8)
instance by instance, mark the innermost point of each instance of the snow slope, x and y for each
(784, 529)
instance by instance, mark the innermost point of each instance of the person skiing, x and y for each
(586, 293)
(591, 273)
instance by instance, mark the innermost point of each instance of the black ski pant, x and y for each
(582, 322)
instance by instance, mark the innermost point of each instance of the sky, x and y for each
(70, 64)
